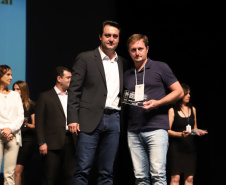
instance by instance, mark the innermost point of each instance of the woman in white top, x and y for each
(11, 119)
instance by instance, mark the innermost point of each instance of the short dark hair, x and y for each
(3, 70)
(111, 23)
(60, 71)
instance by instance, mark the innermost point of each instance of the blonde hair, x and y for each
(137, 37)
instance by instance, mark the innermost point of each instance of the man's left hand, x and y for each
(151, 104)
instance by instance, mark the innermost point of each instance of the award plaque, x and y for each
(197, 131)
(129, 98)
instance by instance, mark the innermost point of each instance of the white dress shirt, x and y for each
(63, 96)
(112, 79)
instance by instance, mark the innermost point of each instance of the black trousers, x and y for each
(59, 165)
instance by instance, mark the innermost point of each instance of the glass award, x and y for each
(129, 98)
(197, 131)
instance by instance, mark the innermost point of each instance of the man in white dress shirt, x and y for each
(94, 106)
(56, 143)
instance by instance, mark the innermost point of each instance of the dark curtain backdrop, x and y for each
(185, 35)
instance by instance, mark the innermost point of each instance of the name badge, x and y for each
(139, 92)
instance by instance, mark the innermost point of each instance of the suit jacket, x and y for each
(88, 90)
(50, 120)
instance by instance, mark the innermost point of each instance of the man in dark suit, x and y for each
(94, 106)
(56, 143)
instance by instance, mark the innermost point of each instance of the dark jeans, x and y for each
(106, 138)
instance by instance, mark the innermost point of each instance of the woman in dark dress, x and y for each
(28, 134)
(182, 149)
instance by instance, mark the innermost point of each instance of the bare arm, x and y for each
(195, 120)
(175, 94)
(32, 125)
(200, 133)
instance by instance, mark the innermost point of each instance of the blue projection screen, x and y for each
(13, 37)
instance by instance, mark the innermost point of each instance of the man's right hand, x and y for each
(43, 149)
(74, 128)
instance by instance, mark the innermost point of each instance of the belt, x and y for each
(110, 111)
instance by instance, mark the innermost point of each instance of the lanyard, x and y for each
(185, 116)
(143, 75)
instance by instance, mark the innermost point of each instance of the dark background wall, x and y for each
(184, 34)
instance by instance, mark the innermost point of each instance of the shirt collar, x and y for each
(59, 92)
(105, 57)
